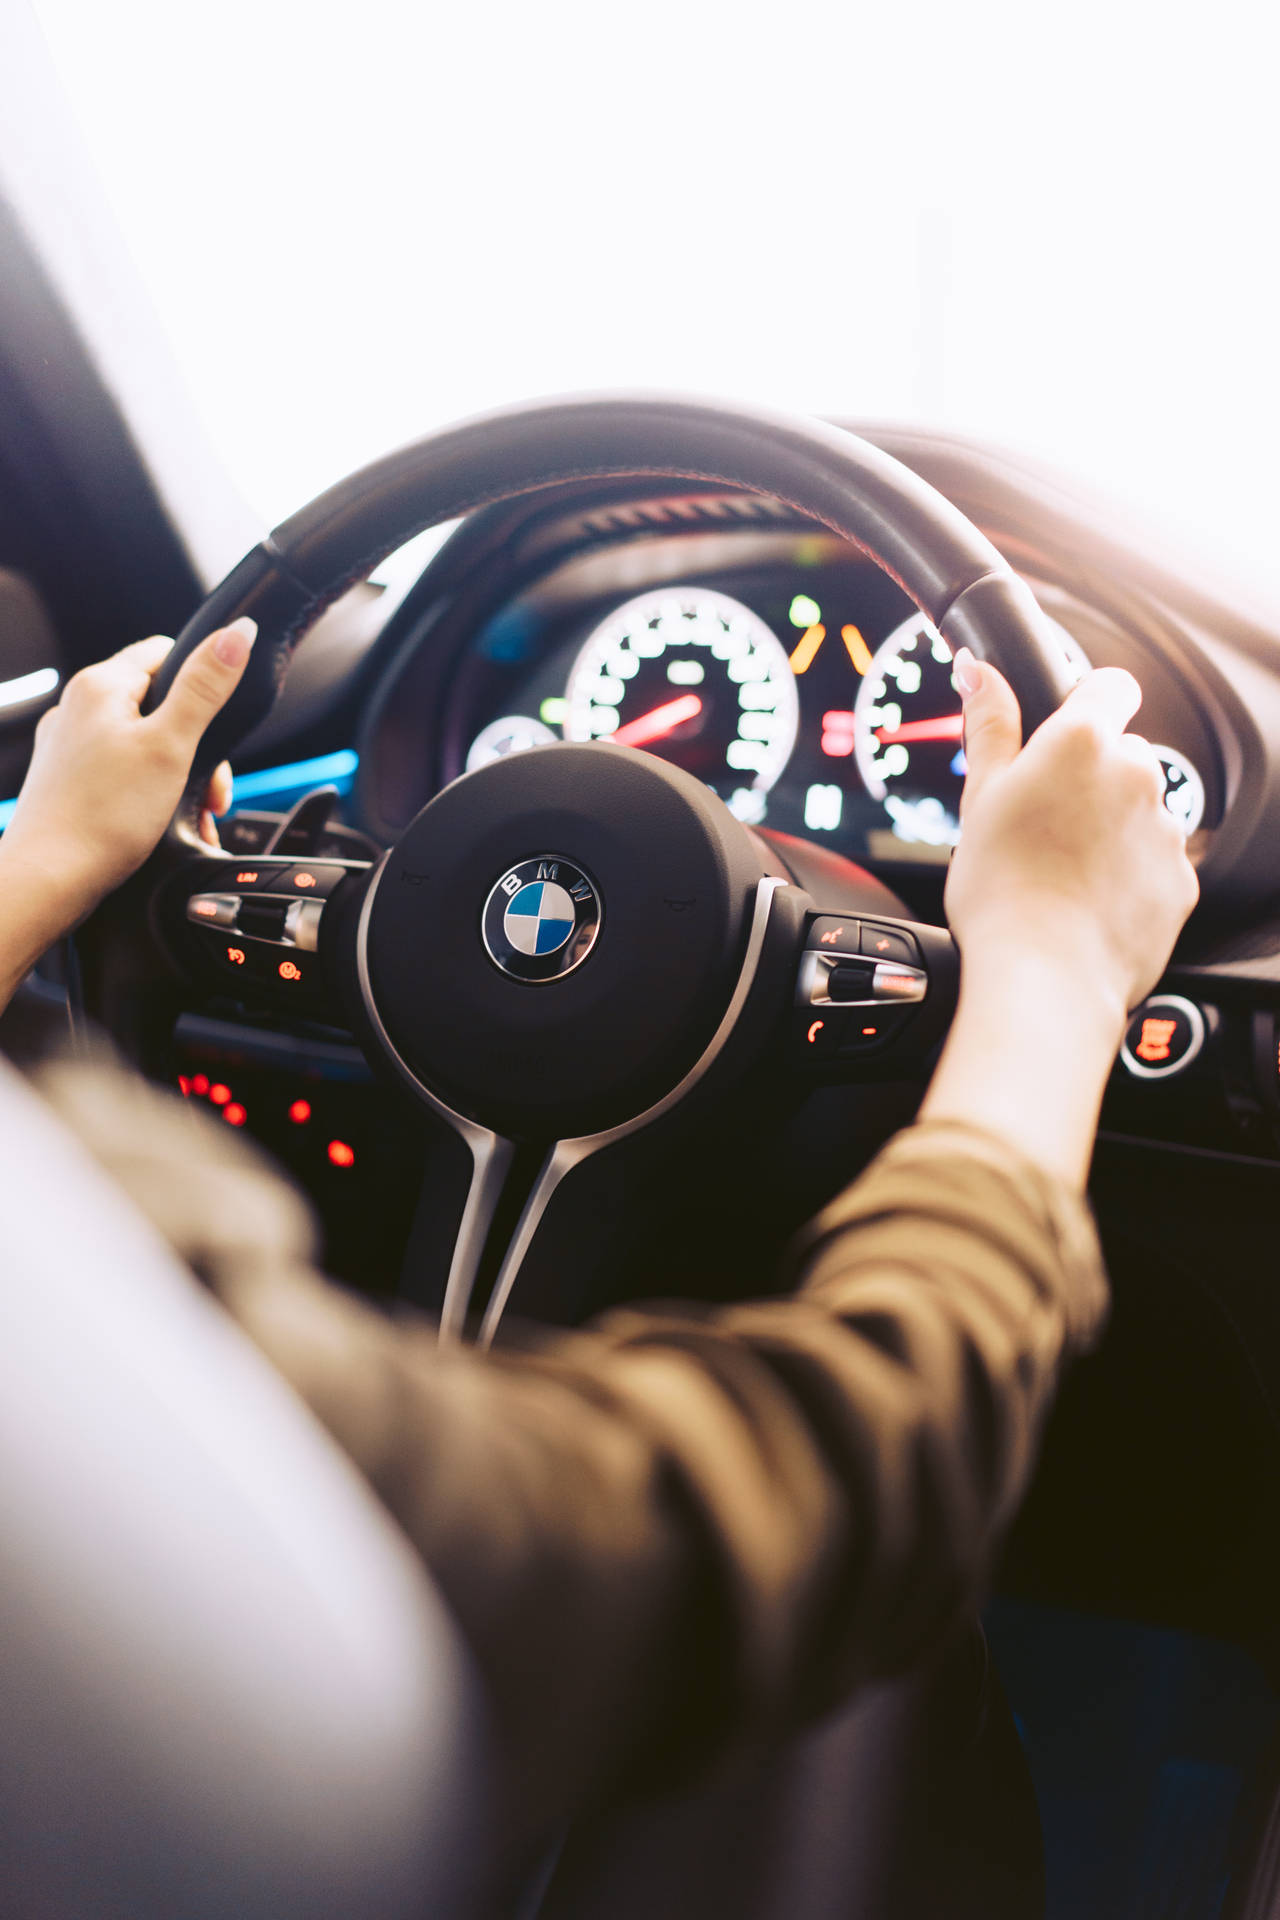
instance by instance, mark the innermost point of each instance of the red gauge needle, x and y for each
(652, 726)
(947, 726)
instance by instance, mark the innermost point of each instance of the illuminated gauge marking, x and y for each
(1183, 788)
(501, 737)
(696, 677)
(907, 730)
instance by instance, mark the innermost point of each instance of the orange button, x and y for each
(289, 970)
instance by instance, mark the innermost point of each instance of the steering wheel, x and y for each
(569, 944)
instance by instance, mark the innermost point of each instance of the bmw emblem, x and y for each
(541, 919)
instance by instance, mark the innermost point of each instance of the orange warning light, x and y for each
(857, 649)
(807, 647)
(300, 1112)
(304, 880)
(870, 1030)
(247, 878)
(814, 1031)
(219, 1094)
(341, 1154)
(234, 1114)
(236, 956)
(289, 971)
(1156, 1035)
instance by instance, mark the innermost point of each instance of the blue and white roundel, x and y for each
(540, 919)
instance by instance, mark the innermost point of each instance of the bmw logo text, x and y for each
(541, 919)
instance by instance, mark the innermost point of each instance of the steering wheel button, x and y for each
(311, 878)
(255, 877)
(1163, 1037)
(213, 909)
(833, 933)
(887, 943)
(814, 1037)
(864, 1029)
(851, 980)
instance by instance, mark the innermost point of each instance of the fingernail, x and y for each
(233, 644)
(968, 673)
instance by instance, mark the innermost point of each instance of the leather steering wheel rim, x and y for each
(951, 570)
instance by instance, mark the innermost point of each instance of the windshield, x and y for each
(1050, 228)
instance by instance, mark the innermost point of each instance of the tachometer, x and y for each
(908, 730)
(696, 677)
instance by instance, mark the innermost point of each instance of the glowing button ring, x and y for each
(541, 919)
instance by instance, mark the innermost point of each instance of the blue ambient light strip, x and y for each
(329, 769)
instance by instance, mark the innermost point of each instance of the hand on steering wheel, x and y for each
(105, 779)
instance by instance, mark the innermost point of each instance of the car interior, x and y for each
(669, 692)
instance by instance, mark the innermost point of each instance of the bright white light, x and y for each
(28, 686)
(686, 673)
(822, 808)
(1121, 323)
(748, 804)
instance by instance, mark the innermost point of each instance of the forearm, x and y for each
(1034, 1038)
(35, 911)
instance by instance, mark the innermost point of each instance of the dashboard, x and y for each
(798, 681)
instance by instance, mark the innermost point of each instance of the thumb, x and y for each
(992, 722)
(205, 682)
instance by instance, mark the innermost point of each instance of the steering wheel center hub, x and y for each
(555, 938)
(541, 919)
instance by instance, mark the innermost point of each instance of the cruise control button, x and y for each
(312, 878)
(1163, 1037)
(833, 933)
(263, 919)
(887, 943)
(257, 878)
(213, 909)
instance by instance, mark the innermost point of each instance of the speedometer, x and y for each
(696, 677)
(909, 730)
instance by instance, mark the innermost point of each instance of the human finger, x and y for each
(217, 797)
(992, 721)
(205, 682)
(209, 829)
(1107, 698)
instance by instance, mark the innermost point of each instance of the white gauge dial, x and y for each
(515, 734)
(694, 676)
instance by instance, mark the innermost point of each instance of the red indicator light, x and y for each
(341, 1154)
(288, 971)
(870, 1030)
(300, 1112)
(236, 956)
(234, 1114)
(247, 878)
(304, 880)
(200, 1083)
(184, 1085)
(814, 1031)
(947, 726)
(837, 734)
(1156, 1035)
(207, 909)
(219, 1094)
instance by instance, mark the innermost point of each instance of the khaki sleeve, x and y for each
(682, 1528)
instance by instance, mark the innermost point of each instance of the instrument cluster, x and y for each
(817, 700)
